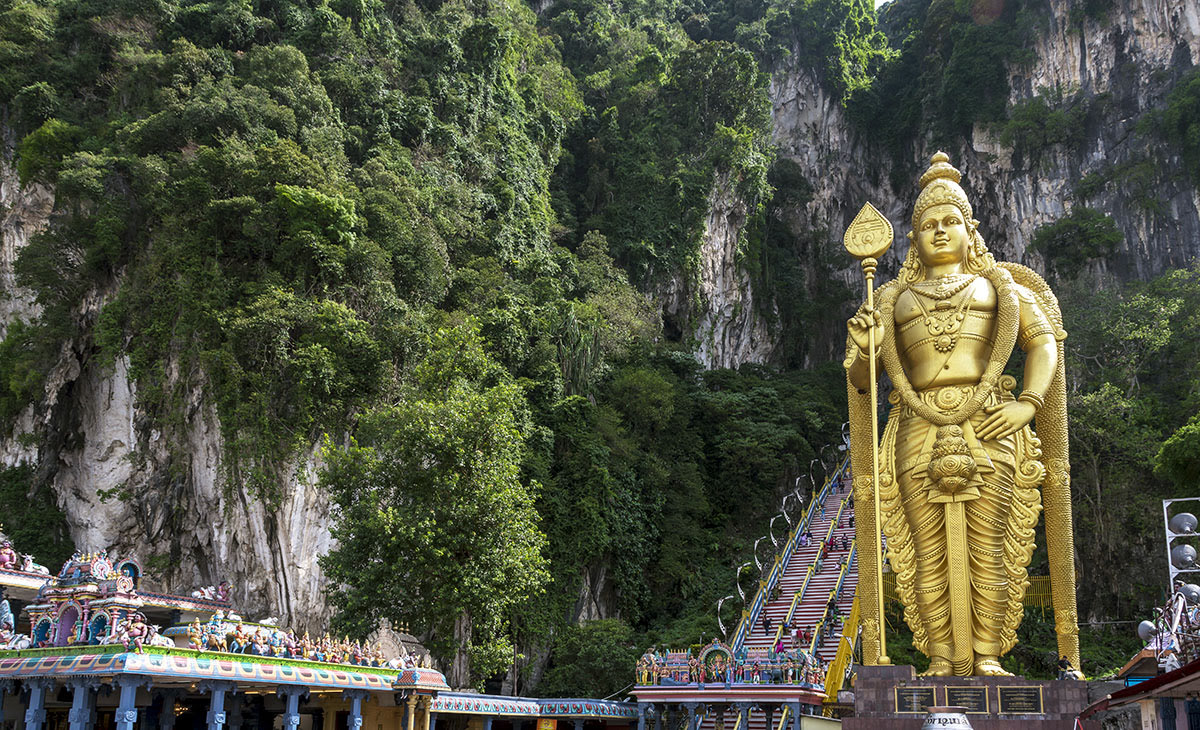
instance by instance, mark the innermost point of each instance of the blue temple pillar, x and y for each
(769, 711)
(692, 708)
(7, 687)
(83, 704)
(293, 695)
(641, 717)
(795, 715)
(487, 722)
(127, 712)
(355, 697)
(579, 723)
(35, 715)
(216, 707)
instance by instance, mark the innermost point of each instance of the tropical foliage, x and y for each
(430, 235)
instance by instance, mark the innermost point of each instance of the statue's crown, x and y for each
(939, 185)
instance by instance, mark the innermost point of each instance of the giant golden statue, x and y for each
(959, 466)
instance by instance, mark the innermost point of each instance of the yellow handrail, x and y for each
(845, 654)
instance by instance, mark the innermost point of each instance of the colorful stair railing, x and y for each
(750, 616)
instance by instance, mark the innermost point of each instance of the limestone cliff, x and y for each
(127, 486)
(1122, 65)
(718, 307)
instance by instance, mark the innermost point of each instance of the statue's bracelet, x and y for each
(1033, 398)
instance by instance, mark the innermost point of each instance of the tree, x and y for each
(591, 659)
(433, 523)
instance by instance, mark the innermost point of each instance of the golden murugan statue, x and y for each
(959, 467)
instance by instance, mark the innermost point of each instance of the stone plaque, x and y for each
(1020, 700)
(974, 699)
(914, 699)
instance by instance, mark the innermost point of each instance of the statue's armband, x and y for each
(1033, 320)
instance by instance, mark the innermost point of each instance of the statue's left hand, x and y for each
(1005, 419)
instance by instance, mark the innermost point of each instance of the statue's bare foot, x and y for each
(938, 667)
(990, 667)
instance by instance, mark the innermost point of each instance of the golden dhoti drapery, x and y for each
(960, 557)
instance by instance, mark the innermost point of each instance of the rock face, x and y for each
(1121, 67)
(130, 487)
(25, 211)
(127, 486)
(728, 328)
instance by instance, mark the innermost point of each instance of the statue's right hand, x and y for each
(861, 324)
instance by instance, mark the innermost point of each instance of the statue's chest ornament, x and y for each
(944, 320)
(1004, 338)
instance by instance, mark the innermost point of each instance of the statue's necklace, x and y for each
(944, 287)
(945, 321)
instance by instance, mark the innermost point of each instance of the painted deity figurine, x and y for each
(195, 635)
(959, 464)
(238, 639)
(8, 556)
(137, 632)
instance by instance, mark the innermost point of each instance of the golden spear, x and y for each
(867, 238)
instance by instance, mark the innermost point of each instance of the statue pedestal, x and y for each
(894, 698)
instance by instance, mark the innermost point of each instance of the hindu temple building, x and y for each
(90, 647)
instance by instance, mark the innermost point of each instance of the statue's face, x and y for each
(942, 236)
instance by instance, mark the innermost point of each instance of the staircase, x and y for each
(803, 594)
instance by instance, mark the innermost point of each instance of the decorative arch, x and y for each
(41, 631)
(716, 650)
(98, 628)
(68, 615)
(132, 569)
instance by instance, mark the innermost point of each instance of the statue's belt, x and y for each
(914, 454)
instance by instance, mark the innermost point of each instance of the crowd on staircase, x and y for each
(800, 623)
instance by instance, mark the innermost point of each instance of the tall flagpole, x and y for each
(867, 238)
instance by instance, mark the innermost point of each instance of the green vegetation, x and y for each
(1046, 120)
(950, 73)
(433, 518)
(593, 659)
(424, 234)
(1137, 180)
(1132, 364)
(1179, 122)
(411, 229)
(1070, 242)
(39, 532)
